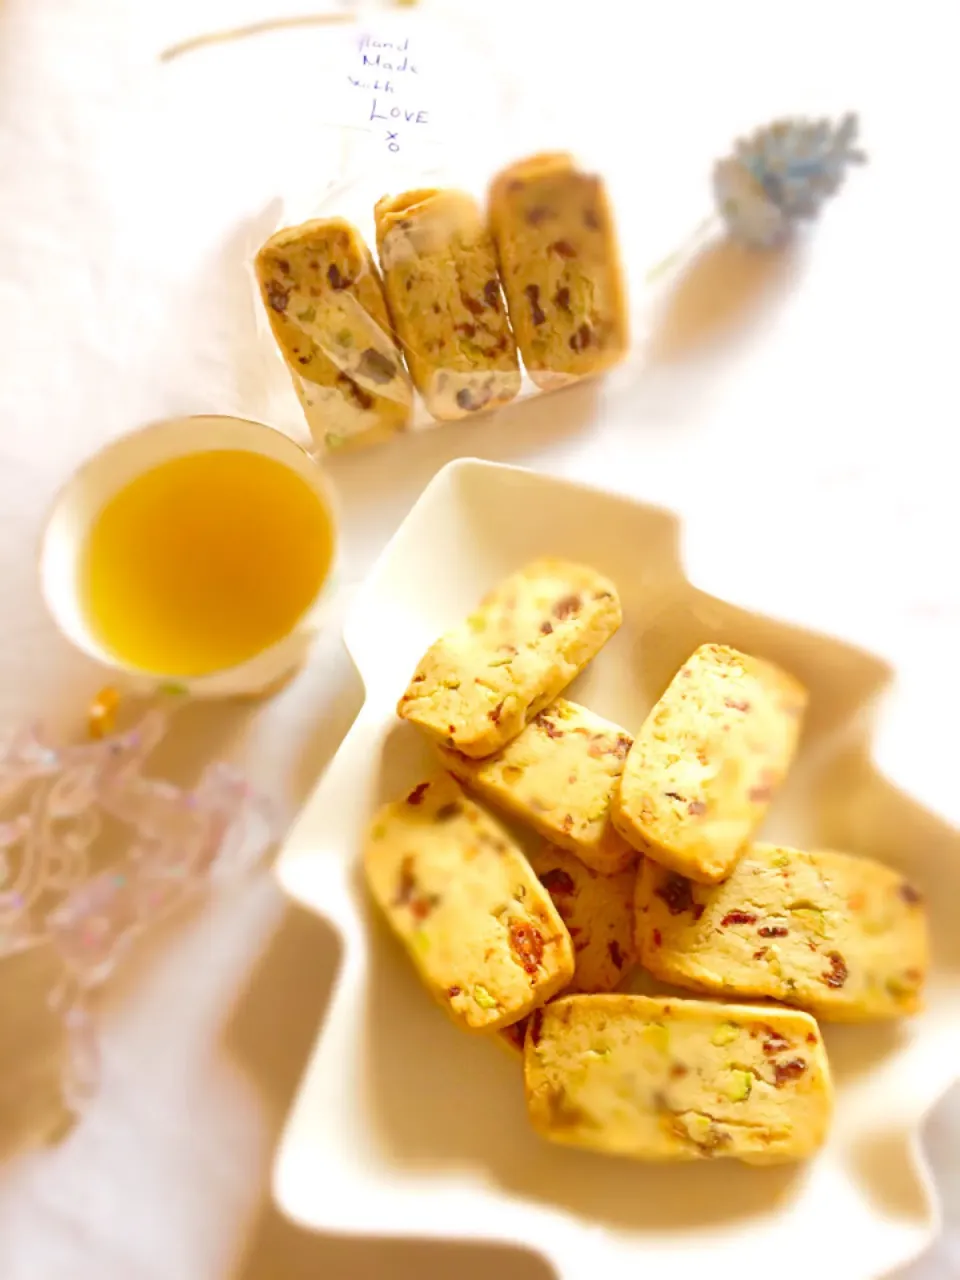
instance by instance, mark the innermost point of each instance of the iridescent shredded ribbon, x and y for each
(53, 892)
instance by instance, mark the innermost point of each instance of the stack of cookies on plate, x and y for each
(460, 295)
(649, 861)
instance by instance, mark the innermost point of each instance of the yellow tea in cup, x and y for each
(204, 561)
(196, 552)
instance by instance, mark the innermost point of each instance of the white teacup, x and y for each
(84, 496)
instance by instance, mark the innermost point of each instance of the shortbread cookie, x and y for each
(324, 300)
(598, 912)
(477, 687)
(560, 266)
(559, 775)
(480, 928)
(664, 1079)
(443, 292)
(843, 937)
(708, 761)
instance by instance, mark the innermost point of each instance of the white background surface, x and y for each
(808, 402)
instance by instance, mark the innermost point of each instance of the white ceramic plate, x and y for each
(404, 1126)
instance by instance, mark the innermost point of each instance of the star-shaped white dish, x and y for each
(404, 1126)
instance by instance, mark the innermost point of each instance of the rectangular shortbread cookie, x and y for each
(843, 937)
(665, 1079)
(708, 760)
(479, 684)
(558, 775)
(481, 929)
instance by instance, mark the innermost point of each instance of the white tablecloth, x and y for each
(814, 388)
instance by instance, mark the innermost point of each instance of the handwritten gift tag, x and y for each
(390, 77)
(391, 91)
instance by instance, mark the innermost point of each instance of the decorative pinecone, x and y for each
(781, 174)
